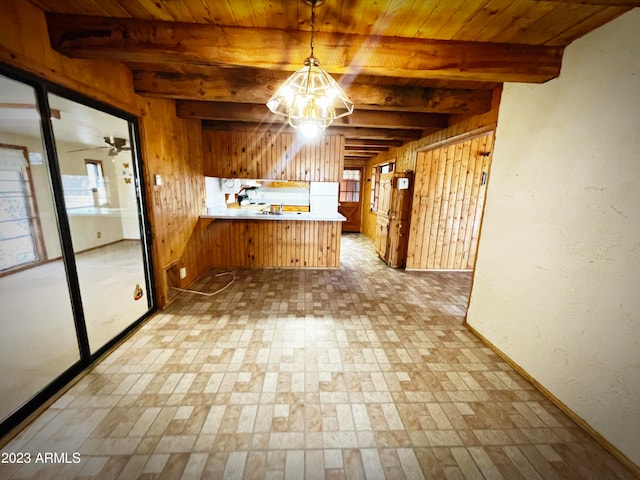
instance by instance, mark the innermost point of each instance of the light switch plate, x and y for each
(403, 183)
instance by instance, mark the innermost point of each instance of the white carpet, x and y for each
(38, 339)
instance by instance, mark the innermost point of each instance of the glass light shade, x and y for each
(310, 99)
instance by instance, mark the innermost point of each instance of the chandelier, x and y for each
(310, 98)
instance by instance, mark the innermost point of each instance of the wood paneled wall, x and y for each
(448, 201)
(265, 154)
(406, 156)
(273, 243)
(24, 43)
(170, 146)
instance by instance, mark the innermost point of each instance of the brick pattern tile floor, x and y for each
(361, 372)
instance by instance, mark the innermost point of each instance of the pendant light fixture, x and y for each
(310, 98)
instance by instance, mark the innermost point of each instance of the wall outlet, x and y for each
(98, 234)
(183, 272)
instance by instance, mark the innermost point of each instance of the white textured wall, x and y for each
(557, 281)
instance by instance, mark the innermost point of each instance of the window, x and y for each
(85, 191)
(350, 185)
(19, 240)
(387, 167)
(96, 181)
(375, 182)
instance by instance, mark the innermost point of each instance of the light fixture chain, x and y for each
(310, 98)
(313, 24)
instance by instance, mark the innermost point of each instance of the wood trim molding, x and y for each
(478, 132)
(579, 421)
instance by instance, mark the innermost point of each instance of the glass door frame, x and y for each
(42, 88)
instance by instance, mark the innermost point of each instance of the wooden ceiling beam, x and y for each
(365, 149)
(133, 40)
(347, 132)
(356, 162)
(600, 3)
(208, 71)
(253, 85)
(251, 112)
(356, 142)
(360, 154)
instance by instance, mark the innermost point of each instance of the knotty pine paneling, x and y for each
(505, 21)
(406, 155)
(25, 44)
(171, 147)
(447, 204)
(273, 243)
(272, 155)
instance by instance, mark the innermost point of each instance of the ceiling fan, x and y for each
(116, 145)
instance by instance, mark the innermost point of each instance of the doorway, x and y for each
(75, 272)
(350, 199)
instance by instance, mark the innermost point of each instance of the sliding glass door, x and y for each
(38, 341)
(74, 252)
(99, 189)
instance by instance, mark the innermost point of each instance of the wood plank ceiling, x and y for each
(408, 65)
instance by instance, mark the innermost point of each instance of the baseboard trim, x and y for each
(440, 270)
(588, 429)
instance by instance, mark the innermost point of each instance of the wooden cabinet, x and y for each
(382, 233)
(394, 210)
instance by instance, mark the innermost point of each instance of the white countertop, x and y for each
(252, 214)
(90, 211)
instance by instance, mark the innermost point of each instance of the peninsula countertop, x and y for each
(253, 214)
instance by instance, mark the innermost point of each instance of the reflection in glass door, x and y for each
(74, 254)
(98, 173)
(38, 341)
(20, 241)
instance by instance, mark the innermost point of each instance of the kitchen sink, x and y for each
(269, 212)
(276, 213)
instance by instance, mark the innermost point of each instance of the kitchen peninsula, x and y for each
(255, 214)
(274, 228)
(244, 238)
(240, 237)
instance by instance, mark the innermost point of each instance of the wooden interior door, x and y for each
(350, 199)
(448, 202)
(399, 218)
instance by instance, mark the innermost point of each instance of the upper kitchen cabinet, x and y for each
(270, 155)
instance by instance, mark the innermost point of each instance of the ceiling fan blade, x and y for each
(86, 149)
